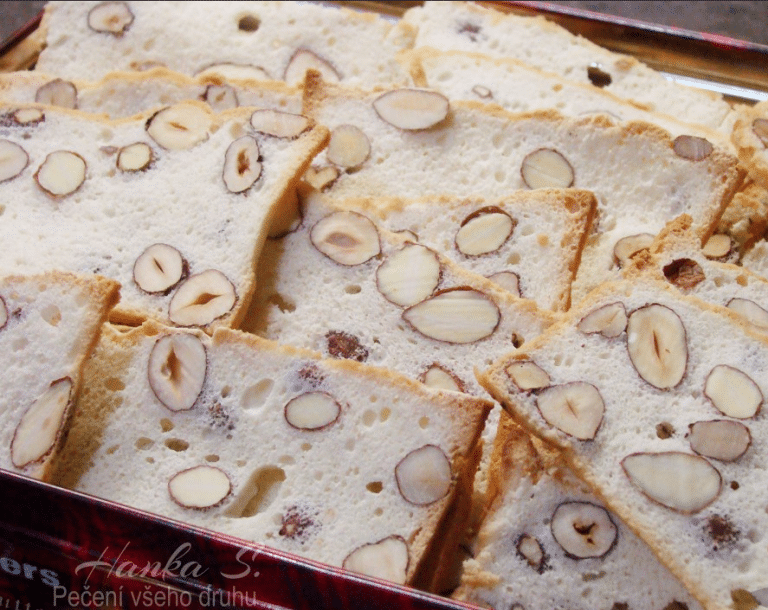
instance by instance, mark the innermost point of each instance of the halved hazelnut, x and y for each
(424, 475)
(482, 92)
(202, 298)
(527, 375)
(345, 345)
(220, 97)
(280, 124)
(61, 174)
(575, 408)
(409, 276)
(683, 482)
(40, 426)
(547, 168)
(733, 392)
(720, 439)
(229, 71)
(320, 178)
(692, 148)
(200, 487)
(530, 549)
(348, 147)
(348, 238)
(760, 129)
(57, 92)
(176, 370)
(609, 320)
(583, 529)
(456, 315)
(685, 273)
(440, 378)
(484, 231)
(387, 559)
(312, 411)
(627, 247)
(412, 109)
(159, 268)
(657, 345)
(509, 281)
(135, 157)
(179, 127)
(28, 116)
(303, 60)
(718, 246)
(242, 167)
(13, 160)
(749, 310)
(110, 17)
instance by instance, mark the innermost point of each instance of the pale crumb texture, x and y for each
(544, 45)
(180, 200)
(53, 322)
(551, 227)
(718, 548)
(188, 38)
(122, 94)
(532, 484)
(639, 181)
(318, 493)
(746, 219)
(750, 135)
(519, 87)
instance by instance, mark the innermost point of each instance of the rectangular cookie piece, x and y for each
(334, 461)
(548, 542)
(657, 400)
(174, 205)
(273, 40)
(49, 325)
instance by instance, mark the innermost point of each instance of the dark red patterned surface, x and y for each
(60, 549)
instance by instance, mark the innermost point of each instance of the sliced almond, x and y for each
(412, 109)
(733, 392)
(683, 482)
(3, 314)
(424, 475)
(760, 129)
(61, 174)
(320, 178)
(348, 238)
(583, 529)
(685, 273)
(692, 148)
(718, 245)
(441, 378)
(220, 97)
(657, 345)
(40, 426)
(627, 247)
(229, 71)
(179, 127)
(202, 298)
(527, 375)
(348, 147)
(280, 124)
(303, 60)
(135, 157)
(749, 310)
(482, 92)
(159, 268)
(312, 411)
(409, 276)
(547, 168)
(720, 439)
(530, 549)
(575, 408)
(508, 281)
(484, 231)
(176, 370)
(200, 487)
(609, 320)
(456, 315)
(387, 559)
(110, 17)
(242, 167)
(57, 92)
(13, 160)
(28, 116)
